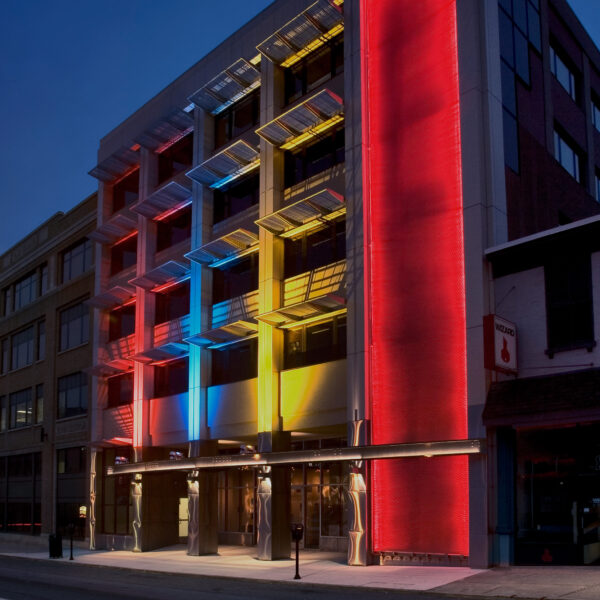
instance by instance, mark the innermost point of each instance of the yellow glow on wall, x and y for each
(294, 58)
(313, 132)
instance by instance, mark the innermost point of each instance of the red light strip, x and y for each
(414, 271)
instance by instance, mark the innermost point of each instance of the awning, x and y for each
(325, 205)
(162, 353)
(114, 296)
(168, 272)
(305, 121)
(166, 131)
(565, 398)
(116, 228)
(301, 311)
(225, 166)
(227, 87)
(232, 245)
(226, 334)
(309, 30)
(169, 197)
(119, 163)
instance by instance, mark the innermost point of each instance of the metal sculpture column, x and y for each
(193, 489)
(136, 494)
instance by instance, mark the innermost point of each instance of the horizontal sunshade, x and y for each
(168, 197)
(225, 166)
(112, 297)
(116, 165)
(166, 130)
(116, 228)
(324, 205)
(236, 243)
(162, 353)
(304, 121)
(227, 87)
(303, 310)
(225, 334)
(106, 370)
(309, 30)
(165, 273)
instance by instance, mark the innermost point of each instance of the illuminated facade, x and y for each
(291, 284)
(45, 346)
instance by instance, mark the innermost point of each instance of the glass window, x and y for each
(533, 21)
(315, 343)
(41, 340)
(76, 260)
(174, 229)
(561, 71)
(71, 461)
(521, 56)
(176, 158)
(237, 119)
(236, 493)
(22, 348)
(238, 197)
(116, 497)
(25, 290)
(595, 109)
(507, 51)
(123, 255)
(566, 156)
(21, 409)
(171, 379)
(121, 322)
(235, 362)
(39, 403)
(74, 326)
(3, 422)
(569, 304)
(511, 141)
(120, 390)
(126, 191)
(5, 356)
(236, 279)
(43, 279)
(7, 300)
(509, 94)
(597, 186)
(72, 395)
(173, 303)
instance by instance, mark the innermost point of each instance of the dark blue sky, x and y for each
(72, 70)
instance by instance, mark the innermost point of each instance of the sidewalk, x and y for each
(323, 568)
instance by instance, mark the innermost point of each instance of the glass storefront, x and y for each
(558, 495)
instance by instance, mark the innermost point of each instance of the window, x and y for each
(76, 260)
(41, 340)
(72, 395)
(7, 300)
(563, 73)
(569, 304)
(595, 109)
(314, 159)
(315, 249)
(566, 156)
(126, 191)
(20, 409)
(5, 357)
(22, 348)
(236, 493)
(237, 119)
(121, 322)
(43, 279)
(176, 158)
(173, 303)
(171, 378)
(314, 70)
(123, 255)
(3, 420)
(116, 497)
(174, 229)
(235, 362)
(71, 461)
(236, 279)
(39, 403)
(120, 390)
(597, 186)
(25, 290)
(74, 326)
(315, 343)
(238, 197)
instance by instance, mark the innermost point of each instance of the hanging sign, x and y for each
(500, 344)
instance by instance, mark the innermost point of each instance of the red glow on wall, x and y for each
(414, 271)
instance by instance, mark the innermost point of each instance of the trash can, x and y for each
(55, 545)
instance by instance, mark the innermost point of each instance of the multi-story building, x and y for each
(45, 343)
(304, 245)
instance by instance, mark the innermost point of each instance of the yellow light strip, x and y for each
(311, 133)
(294, 58)
(256, 60)
(314, 224)
(322, 317)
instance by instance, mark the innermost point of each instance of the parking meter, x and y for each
(297, 533)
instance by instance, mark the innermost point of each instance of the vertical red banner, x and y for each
(414, 269)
